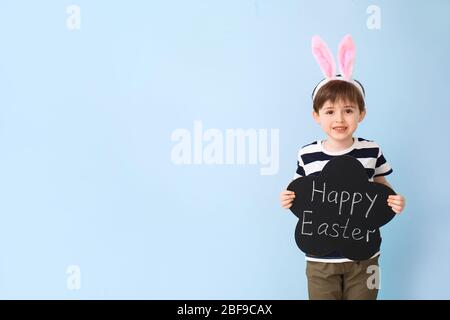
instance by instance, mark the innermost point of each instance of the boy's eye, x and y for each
(349, 111)
(329, 112)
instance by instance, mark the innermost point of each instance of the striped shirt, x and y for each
(313, 157)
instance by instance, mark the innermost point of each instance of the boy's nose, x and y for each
(339, 117)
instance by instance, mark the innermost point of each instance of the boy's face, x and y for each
(339, 120)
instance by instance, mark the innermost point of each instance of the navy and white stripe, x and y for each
(312, 158)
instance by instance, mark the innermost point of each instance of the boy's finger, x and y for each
(395, 207)
(393, 204)
(286, 206)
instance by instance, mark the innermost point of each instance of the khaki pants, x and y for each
(343, 281)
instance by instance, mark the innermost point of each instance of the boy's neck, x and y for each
(336, 145)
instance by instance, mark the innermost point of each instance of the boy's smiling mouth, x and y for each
(340, 128)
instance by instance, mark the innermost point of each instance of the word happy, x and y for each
(342, 197)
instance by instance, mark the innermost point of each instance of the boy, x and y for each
(338, 103)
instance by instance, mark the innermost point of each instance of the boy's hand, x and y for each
(286, 198)
(396, 202)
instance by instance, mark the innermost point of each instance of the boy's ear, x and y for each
(362, 115)
(316, 117)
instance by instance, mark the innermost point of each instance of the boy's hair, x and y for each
(336, 90)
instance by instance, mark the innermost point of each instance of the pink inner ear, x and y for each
(323, 57)
(346, 56)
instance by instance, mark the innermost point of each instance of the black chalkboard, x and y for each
(340, 210)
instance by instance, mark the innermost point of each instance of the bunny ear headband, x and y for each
(346, 57)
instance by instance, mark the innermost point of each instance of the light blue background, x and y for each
(86, 118)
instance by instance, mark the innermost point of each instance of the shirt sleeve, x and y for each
(300, 172)
(382, 167)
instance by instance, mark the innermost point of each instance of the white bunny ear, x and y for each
(346, 56)
(323, 57)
